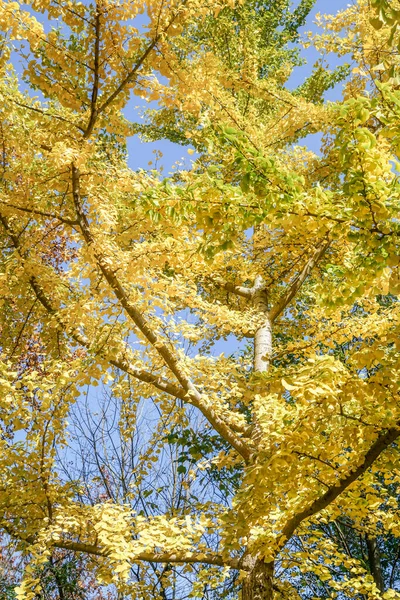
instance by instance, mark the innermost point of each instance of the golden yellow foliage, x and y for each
(117, 277)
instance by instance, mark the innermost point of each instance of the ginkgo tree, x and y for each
(117, 277)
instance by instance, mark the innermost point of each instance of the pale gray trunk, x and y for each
(258, 584)
(263, 336)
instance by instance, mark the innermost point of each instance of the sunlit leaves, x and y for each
(146, 288)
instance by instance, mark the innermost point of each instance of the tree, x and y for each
(114, 276)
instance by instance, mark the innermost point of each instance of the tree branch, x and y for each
(234, 289)
(192, 395)
(135, 69)
(298, 281)
(46, 114)
(119, 362)
(130, 76)
(209, 558)
(95, 90)
(374, 561)
(186, 391)
(381, 443)
(155, 557)
(42, 213)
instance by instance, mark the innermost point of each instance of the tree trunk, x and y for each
(374, 559)
(262, 346)
(263, 336)
(258, 584)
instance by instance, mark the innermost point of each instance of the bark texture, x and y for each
(258, 584)
(263, 336)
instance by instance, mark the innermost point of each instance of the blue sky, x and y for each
(310, 54)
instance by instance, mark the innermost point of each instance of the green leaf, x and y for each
(245, 183)
(376, 23)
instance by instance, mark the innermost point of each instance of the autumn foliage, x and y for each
(199, 372)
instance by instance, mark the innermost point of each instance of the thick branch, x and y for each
(263, 335)
(192, 395)
(155, 557)
(209, 558)
(187, 393)
(381, 443)
(239, 290)
(146, 377)
(298, 281)
(135, 315)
